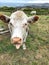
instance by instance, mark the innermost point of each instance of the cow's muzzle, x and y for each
(17, 42)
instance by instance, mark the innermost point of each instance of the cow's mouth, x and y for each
(17, 45)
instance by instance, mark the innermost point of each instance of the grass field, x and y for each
(37, 52)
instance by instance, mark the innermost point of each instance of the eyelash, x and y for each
(24, 24)
(11, 24)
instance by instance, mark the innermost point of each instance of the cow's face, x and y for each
(18, 26)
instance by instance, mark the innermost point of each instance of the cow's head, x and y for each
(18, 25)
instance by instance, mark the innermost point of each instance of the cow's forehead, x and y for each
(18, 15)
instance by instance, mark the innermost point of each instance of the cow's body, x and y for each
(18, 25)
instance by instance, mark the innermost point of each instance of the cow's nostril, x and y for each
(16, 40)
(19, 39)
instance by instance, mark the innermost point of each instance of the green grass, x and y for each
(37, 52)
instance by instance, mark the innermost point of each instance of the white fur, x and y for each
(18, 20)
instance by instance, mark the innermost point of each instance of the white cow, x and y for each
(18, 25)
(33, 12)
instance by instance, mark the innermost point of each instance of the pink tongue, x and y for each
(17, 46)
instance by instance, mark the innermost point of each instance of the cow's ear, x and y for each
(4, 18)
(33, 19)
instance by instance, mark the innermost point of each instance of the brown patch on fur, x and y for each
(3, 18)
(35, 18)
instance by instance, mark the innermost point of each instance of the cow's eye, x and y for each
(25, 23)
(11, 24)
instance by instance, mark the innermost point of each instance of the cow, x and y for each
(18, 24)
(33, 12)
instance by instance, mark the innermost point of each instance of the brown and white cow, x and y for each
(18, 25)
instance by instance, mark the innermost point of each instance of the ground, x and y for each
(37, 52)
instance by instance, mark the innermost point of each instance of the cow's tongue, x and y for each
(18, 46)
